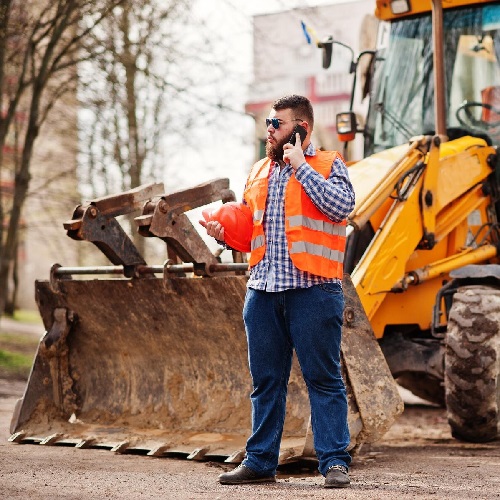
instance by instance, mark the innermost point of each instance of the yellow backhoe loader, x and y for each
(154, 358)
(423, 255)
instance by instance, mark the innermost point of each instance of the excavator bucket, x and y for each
(153, 360)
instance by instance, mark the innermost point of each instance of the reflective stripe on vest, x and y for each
(317, 225)
(257, 242)
(257, 215)
(318, 250)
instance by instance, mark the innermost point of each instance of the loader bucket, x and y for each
(158, 365)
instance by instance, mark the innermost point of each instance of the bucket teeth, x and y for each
(198, 453)
(52, 439)
(236, 457)
(158, 451)
(17, 437)
(121, 447)
(286, 455)
(86, 443)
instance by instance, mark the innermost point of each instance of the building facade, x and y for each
(284, 63)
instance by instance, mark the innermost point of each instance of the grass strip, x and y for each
(14, 365)
(17, 352)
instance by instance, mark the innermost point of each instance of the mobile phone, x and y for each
(299, 129)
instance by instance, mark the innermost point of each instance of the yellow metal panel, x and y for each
(413, 307)
(379, 216)
(452, 216)
(428, 195)
(383, 264)
(383, 9)
(457, 174)
(459, 145)
(420, 258)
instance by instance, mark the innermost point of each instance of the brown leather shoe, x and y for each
(244, 475)
(337, 477)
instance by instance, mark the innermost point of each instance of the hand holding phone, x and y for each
(299, 129)
(293, 154)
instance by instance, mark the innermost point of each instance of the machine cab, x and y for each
(402, 77)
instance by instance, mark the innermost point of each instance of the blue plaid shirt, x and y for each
(333, 196)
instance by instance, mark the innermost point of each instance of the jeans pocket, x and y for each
(334, 288)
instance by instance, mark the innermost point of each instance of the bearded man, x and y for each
(300, 198)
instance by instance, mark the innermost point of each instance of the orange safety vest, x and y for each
(316, 244)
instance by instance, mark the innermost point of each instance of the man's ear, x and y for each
(308, 128)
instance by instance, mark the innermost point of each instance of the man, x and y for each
(300, 198)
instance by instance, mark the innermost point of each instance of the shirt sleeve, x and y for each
(333, 196)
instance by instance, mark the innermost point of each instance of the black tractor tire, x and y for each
(472, 364)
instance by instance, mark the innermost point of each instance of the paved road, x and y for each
(417, 459)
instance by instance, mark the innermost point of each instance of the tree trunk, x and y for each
(11, 304)
(5, 7)
(21, 186)
(135, 154)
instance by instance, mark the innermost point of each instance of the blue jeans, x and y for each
(309, 320)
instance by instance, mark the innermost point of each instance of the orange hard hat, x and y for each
(237, 221)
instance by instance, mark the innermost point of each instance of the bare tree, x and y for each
(158, 75)
(143, 89)
(41, 42)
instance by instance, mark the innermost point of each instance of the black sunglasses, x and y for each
(275, 122)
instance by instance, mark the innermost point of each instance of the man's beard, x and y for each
(275, 153)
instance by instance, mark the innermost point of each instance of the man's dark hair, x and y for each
(300, 104)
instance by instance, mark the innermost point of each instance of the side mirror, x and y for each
(346, 126)
(326, 45)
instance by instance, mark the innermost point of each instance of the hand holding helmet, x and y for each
(232, 223)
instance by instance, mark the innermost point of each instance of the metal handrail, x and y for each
(142, 269)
